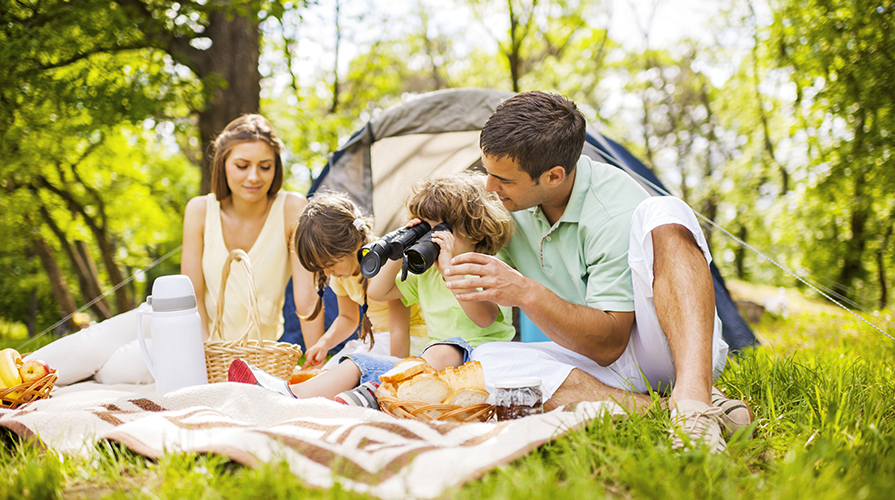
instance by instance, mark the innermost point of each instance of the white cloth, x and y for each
(647, 360)
(108, 351)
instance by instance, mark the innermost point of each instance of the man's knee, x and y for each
(673, 235)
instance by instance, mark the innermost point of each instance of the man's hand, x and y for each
(496, 281)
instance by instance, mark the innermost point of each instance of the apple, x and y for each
(33, 370)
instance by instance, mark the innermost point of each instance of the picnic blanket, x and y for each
(324, 442)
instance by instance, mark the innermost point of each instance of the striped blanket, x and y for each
(323, 442)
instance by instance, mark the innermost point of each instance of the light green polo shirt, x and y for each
(583, 258)
(442, 312)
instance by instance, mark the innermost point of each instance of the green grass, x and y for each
(821, 388)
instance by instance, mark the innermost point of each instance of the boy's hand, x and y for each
(445, 241)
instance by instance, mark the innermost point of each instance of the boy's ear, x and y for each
(554, 176)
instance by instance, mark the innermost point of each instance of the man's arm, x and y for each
(599, 335)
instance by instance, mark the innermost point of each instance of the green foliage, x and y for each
(839, 55)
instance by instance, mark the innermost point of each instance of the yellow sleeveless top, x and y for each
(269, 256)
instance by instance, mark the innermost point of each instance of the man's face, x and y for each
(515, 188)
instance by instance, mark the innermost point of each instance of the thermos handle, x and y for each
(142, 339)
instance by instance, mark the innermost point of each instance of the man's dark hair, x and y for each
(537, 130)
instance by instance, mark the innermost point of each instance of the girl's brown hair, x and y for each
(246, 128)
(462, 201)
(332, 227)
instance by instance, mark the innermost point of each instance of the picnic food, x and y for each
(23, 382)
(300, 374)
(33, 370)
(518, 397)
(10, 360)
(414, 380)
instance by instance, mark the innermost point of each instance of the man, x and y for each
(575, 279)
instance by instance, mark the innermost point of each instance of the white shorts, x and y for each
(646, 362)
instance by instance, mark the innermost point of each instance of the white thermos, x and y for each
(178, 353)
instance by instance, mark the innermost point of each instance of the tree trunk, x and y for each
(106, 246)
(93, 278)
(881, 266)
(88, 277)
(230, 70)
(32, 313)
(740, 253)
(57, 280)
(513, 55)
(853, 266)
(336, 83)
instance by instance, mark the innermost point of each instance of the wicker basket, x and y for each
(428, 412)
(22, 394)
(276, 358)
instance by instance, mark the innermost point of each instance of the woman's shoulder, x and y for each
(196, 207)
(293, 204)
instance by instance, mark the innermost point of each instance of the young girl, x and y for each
(479, 224)
(328, 234)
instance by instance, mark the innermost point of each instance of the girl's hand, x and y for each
(445, 241)
(316, 356)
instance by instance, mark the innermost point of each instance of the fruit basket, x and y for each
(22, 394)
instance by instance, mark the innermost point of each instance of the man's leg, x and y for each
(684, 296)
(580, 386)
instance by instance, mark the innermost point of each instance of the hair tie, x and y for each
(320, 292)
(360, 224)
(363, 309)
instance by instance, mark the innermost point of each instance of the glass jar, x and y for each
(517, 397)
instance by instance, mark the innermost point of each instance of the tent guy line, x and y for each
(100, 297)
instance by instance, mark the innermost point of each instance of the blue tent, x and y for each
(437, 134)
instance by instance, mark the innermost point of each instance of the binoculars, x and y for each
(413, 244)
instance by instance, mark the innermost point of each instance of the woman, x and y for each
(246, 210)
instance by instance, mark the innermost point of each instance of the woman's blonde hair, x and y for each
(462, 201)
(330, 228)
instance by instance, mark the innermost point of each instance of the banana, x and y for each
(10, 360)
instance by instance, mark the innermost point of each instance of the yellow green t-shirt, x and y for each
(443, 314)
(377, 311)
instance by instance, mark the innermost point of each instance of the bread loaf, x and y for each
(426, 388)
(405, 369)
(468, 397)
(413, 379)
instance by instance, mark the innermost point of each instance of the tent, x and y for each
(437, 134)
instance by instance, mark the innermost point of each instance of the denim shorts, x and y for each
(373, 365)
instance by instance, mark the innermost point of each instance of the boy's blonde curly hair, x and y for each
(462, 201)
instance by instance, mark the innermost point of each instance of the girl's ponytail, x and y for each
(366, 328)
(321, 283)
